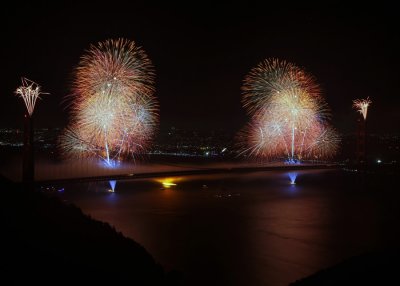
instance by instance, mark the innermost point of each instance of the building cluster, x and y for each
(44, 138)
(171, 141)
(181, 142)
(382, 148)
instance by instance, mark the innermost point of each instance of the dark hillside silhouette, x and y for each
(46, 242)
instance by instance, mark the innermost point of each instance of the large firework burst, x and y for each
(113, 108)
(289, 115)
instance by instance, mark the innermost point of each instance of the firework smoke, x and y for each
(113, 108)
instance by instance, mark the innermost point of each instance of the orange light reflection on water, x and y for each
(169, 182)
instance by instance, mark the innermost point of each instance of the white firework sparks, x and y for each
(29, 91)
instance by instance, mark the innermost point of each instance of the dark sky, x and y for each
(201, 54)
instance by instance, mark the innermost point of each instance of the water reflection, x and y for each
(292, 177)
(169, 182)
(244, 229)
(112, 185)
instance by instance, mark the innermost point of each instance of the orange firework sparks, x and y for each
(289, 115)
(113, 107)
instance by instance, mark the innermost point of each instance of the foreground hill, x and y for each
(373, 268)
(45, 242)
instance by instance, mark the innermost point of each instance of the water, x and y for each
(248, 229)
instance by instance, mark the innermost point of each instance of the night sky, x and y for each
(201, 55)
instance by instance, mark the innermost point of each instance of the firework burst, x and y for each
(361, 105)
(29, 91)
(113, 108)
(289, 115)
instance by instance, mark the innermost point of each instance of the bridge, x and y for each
(190, 172)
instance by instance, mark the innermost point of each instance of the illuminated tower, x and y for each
(360, 143)
(361, 105)
(29, 91)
